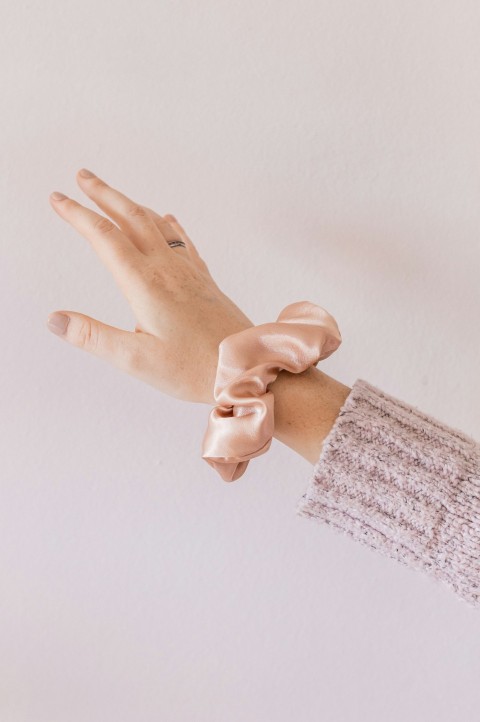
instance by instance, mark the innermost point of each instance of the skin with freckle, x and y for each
(182, 315)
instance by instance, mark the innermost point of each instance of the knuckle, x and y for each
(97, 183)
(136, 210)
(87, 336)
(103, 225)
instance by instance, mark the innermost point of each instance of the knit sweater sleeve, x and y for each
(403, 483)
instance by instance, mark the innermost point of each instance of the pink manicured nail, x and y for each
(86, 173)
(57, 196)
(57, 323)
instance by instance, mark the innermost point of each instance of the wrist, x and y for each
(303, 403)
(306, 406)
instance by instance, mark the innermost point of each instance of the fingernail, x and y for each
(57, 196)
(86, 173)
(57, 323)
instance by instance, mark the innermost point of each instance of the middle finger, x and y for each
(113, 247)
(133, 219)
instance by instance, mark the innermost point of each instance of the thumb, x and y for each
(122, 348)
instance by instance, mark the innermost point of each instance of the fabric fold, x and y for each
(241, 425)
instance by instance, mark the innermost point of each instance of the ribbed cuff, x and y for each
(404, 483)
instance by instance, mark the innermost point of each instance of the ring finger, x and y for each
(173, 231)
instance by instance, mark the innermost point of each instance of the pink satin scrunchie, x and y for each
(241, 425)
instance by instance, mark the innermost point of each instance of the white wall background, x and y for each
(312, 149)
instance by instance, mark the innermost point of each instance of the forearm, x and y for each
(306, 406)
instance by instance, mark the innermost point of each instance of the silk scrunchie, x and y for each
(241, 425)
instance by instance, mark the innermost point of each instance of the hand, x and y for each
(182, 314)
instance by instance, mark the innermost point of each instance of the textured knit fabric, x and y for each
(404, 483)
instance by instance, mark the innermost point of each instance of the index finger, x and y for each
(113, 247)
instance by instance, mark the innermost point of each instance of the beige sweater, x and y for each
(404, 483)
